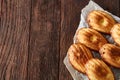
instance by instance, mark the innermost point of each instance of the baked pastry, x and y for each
(90, 38)
(78, 55)
(97, 70)
(100, 21)
(111, 54)
(115, 33)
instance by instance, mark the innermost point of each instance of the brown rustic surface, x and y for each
(36, 34)
(14, 39)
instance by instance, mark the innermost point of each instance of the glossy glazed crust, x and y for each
(115, 33)
(78, 55)
(90, 38)
(111, 54)
(97, 70)
(100, 21)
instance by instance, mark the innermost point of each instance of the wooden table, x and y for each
(36, 34)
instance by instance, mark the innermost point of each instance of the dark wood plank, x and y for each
(44, 40)
(70, 17)
(112, 6)
(14, 37)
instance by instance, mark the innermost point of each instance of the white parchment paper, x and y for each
(75, 74)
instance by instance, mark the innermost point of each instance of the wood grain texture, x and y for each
(36, 34)
(44, 40)
(70, 17)
(112, 6)
(14, 37)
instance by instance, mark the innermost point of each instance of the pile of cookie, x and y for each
(87, 39)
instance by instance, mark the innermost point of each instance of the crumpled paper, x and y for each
(88, 8)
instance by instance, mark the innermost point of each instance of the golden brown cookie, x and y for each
(111, 54)
(100, 21)
(97, 70)
(115, 33)
(78, 55)
(90, 38)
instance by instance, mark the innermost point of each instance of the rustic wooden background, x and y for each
(35, 36)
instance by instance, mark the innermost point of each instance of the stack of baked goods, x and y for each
(91, 39)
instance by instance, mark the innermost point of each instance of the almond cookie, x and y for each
(111, 54)
(100, 21)
(115, 33)
(78, 55)
(90, 38)
(97, 70)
